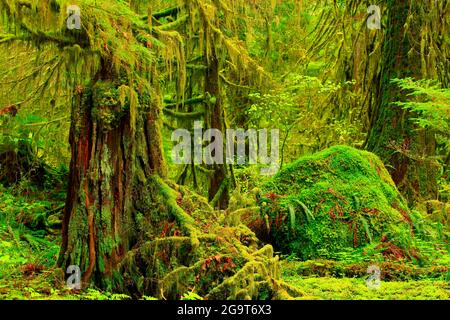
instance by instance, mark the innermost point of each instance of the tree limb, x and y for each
(165, 13)
(184, 115)
(196, 100)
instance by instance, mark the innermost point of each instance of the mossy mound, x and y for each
(333, 202)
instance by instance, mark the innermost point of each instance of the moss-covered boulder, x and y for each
(328, 204)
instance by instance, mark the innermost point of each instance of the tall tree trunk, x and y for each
(394, 136)
(218, 189)
(115, 148)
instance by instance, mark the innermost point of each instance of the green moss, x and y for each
(109, 107)
(188, 246)
(391, 270)
(101, 263)
(338, 199)
(356, 289)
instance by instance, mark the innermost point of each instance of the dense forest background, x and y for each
(93, 204)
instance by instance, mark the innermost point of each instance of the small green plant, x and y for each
(191, 296)
(430, 101)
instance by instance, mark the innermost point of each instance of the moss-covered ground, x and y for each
(329, 216)
(27, 269)
(328, 288)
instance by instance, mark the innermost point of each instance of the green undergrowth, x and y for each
(26, 231)
(29, 248)
(28, 245)
(390, 270)
(327, 288)
(189, 251)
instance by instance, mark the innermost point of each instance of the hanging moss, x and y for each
(110, 106)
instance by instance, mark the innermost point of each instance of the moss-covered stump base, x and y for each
(203, 252)
(332, 202)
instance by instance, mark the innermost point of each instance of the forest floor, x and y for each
(405, 282)
(28, 254)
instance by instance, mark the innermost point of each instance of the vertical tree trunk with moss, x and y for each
(218, 188)
(394, 137)
(116, 145)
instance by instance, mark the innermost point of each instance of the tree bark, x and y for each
(113, 154)
(215, 120)
(393, 135)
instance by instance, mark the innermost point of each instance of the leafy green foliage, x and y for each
(306, 116)
(431, 103)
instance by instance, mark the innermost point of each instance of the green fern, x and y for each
(366, 227)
